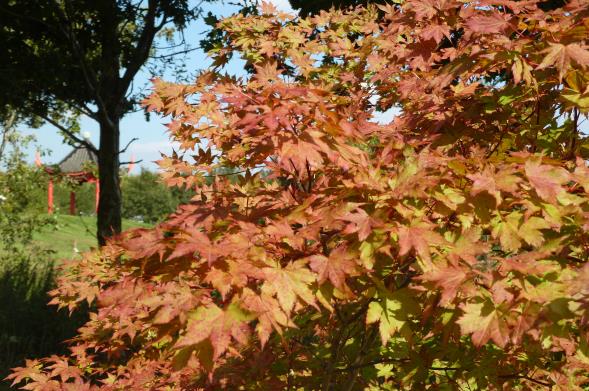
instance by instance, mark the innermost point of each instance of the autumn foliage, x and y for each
(442, 247)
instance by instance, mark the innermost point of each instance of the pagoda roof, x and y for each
(77, 160)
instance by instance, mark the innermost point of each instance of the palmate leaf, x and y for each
(335, 268)
(448, 280)
(578, 99)
(546, 180)
(423, 9)
(436, 32)
(217, 325)
(506, 229)
(484, 322)
(31, 371)
(419, 236)
(271, 317)
(521, 70)
(289, 284)
(530, 231)
(560, 56)
(493, 23)
(392, 311)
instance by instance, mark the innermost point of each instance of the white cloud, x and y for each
(154, 147)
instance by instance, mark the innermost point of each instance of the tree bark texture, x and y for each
(109, 205)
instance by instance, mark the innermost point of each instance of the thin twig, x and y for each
(371, 363)
(185, 51)
(526, 377)
(574, 134)
(128, 144)
(227, 174)
(134, 162)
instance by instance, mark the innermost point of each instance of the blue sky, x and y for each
(152, 135)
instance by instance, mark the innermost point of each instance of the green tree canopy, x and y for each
(145, 197)
(64, 58)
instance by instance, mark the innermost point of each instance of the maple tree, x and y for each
(306, 8)
(445, 248)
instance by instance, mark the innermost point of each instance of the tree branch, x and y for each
(128, 144)
(27, 17)
(371, 363)
(138, 161)
(227, 174)
(89, 74)
(574, 134)
(84, 109)
(185, 51)
(60, 30)
(170, 47)
(199, 7)
(525, 377)
(135, 8)
(367, 340)
(141, 53)
(81, 107)
(68, 133)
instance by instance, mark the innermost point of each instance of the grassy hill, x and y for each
(74, 232)
(28, 327)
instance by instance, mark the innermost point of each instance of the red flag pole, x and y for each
(97, 193)
(50, 197)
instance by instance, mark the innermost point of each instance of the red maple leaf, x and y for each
(419, 236)
(448, 280)
(334, 268)
(219, 325)
(489, 24)
(484, 322)
(546, 180)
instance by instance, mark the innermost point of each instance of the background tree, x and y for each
(443, 248)
(20, 212)
(27, 325)
(64, 58)
(146, 198)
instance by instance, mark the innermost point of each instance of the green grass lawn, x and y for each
(74, 232)
(28, 327)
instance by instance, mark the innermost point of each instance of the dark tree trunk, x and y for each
(109, 205)
(110, 113)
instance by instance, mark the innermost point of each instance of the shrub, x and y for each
(20, 210)
(443, 249)
(85, 197)
(28, 327)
